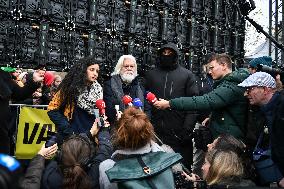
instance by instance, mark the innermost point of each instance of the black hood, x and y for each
(169, 66)
(169, 46)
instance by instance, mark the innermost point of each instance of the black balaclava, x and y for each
(168, 61)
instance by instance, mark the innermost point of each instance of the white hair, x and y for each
(120, 64)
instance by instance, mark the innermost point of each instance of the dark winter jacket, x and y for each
(81, 122)
(172, 126)
(227, 103)
(52, 177)
(115, 89)
(9, 89)
(33, 174)
(276, 132)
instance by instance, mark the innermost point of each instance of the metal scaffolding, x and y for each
(276, 26)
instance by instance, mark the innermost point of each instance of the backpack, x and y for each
(151, 170)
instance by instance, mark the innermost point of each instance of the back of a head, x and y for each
(224, 165)
(229, 142)
(263, 60)
(134, 130)
(74, 158)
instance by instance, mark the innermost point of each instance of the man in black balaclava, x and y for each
(170, 80)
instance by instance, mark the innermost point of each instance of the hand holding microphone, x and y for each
(101, 105)
(151, 98)
(100, 112)
(159, 104)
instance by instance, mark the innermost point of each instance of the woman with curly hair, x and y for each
(71, 109)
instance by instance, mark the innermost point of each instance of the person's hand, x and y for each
(162, 104)
(205, 122)
(118, 115)
(37, 94)
(281, 183)
(192, 177)
(95, 128)
(106, 123)
(38, 77)
(49, 152)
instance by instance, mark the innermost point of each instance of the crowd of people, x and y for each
(154, 144)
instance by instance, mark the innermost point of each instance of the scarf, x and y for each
(87, 99)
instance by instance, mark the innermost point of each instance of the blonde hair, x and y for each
(223, 165)
(120, 64)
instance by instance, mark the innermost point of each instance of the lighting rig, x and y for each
(59, 32)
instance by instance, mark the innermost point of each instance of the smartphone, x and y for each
(51, 139)
(101, 120)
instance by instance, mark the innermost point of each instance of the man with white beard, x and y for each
(124, 81)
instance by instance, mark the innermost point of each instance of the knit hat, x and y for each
(8, 69)
(48, 78)
(264, 60)
(260, 79)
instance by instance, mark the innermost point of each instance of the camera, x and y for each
(51, 139)
(182, 183)
(272, 71)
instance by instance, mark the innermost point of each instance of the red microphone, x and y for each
(127, 100)
(101, 105)
(151, 98)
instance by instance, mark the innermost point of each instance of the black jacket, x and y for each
(52, 177)
(34, 173)
(172, 126)
(276, 133)
(9, 89)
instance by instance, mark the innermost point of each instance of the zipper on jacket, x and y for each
(171, 90)
(175, 135)
(165, 85)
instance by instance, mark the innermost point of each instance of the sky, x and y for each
(261, 16)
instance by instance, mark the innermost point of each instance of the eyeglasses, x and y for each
(248, 90)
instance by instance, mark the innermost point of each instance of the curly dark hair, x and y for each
(75, 81)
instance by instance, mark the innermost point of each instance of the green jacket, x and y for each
(226, 102)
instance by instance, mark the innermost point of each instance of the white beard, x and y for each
(128, 78)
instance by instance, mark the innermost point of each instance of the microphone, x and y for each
(138, 103)
(151, 98)
(127, 100)
(101, 105)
